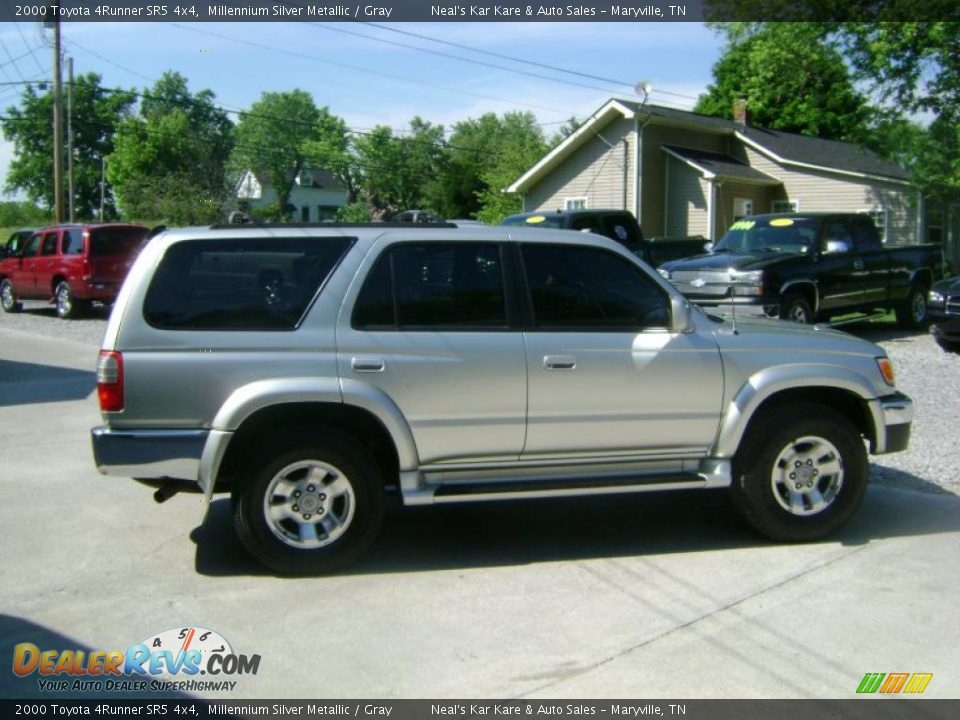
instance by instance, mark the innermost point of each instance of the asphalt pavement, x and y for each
(660, 596)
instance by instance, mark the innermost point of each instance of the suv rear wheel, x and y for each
(912, 312)
(801, 472)
(67, 306)
(309, 503)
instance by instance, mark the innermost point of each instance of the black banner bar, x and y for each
(626, 11)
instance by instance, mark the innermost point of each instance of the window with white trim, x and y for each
(785, 206)
(742, 207)
(881, 218)
(575, 203)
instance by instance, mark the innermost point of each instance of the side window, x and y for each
(73, 242)
(591, 289)
(240, 283)
(434, 286)
(621, 230)
(837, 230)
(587, 223)
(32, 246)
(49, 244)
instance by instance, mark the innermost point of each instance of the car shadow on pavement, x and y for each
(522, 532)
(881, 331)
(93, 312)
(26, 383)
(15, 630)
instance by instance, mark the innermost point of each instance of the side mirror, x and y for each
(708, 247)
(835, 247)
(680, 314)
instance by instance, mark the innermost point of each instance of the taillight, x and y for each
(110, 381)
(87, 270)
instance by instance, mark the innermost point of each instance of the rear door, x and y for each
(875, 260)
(431, 329)
(605, 373)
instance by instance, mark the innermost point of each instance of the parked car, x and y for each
(15, 242)
(463, 365)
(72, 265)
(811, 266)
(618, 225)
(944, 305)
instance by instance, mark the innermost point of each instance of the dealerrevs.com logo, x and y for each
(171, 660)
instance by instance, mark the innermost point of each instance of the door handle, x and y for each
(858, 264)
(367, 364)
(559, 362)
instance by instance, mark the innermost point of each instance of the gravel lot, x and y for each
(924, 372)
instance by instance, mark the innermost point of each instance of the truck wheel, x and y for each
(67, 306)
(795, 307)
(801, 472)
(912, 312)
(8, 297)
(310, 503)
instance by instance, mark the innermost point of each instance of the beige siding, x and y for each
(817, 191)
(595, 171)
(729, 192)
(687, 200)
(653, 184)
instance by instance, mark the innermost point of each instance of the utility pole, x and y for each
(57, 126)
(70, 138)
(103, 182)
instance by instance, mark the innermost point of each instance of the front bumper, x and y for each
(747, 305)
(149, 454)
(895, 415)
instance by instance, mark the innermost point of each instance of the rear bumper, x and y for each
(94, 290)
(173, 454)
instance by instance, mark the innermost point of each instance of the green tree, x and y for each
(791, 81)
(15, 213)
(97, 111)
(169, 160)
(332, 149)
(397, 172)
(518, 145)
(272, 140)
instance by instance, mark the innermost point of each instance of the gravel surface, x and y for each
(924, 372)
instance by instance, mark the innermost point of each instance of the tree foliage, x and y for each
(169, 160)
(791, 81)
(272, 140)
(19, 213)
(97, 111)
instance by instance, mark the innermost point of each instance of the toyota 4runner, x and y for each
(306, 369)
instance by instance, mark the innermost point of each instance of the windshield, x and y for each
(778, 234)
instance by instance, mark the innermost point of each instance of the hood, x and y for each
(755, 333)
(728, 260)
(948, 285)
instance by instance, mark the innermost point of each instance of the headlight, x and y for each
(935, 298)
(664, 273)
(747, 283)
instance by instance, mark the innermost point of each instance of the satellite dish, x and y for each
(644, 87)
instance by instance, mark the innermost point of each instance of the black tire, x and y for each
(824, 490)
(947, 345)
(795, 307)
(344, 524)
(8, 297)
(68, 307)
(912, 312)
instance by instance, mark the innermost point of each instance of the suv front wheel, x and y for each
(309, 503)
(801, 472)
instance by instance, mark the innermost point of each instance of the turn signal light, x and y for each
(886, 369)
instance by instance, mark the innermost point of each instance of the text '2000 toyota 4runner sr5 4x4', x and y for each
(306, 369)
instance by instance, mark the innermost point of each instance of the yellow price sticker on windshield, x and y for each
(781, 222)
(535, 219)
(742, 225)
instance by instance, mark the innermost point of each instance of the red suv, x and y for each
(71, 265)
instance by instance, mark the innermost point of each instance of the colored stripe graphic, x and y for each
(918, 683)
(894, 683)
(870, 682)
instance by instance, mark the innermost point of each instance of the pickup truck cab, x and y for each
(72, 265)
(810, 266)
(618, 225)
(307, 369)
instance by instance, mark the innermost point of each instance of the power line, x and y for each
(29, 48)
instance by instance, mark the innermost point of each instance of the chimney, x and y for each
(740, 114)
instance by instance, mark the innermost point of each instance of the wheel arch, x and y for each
(845, 392)
(804, 287)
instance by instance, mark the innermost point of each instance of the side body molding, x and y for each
(769, 381)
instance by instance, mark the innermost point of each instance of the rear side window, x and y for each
(73, 241)
(49, 244)
(429, 286)
(240, 284)
(116, 241)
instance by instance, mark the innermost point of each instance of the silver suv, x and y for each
(306, 369)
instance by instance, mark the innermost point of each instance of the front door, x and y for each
(841, 274)
(606, 376)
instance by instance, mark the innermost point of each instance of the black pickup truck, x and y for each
(619, 225)
(808, 267)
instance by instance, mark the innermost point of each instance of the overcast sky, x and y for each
(372, 75)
